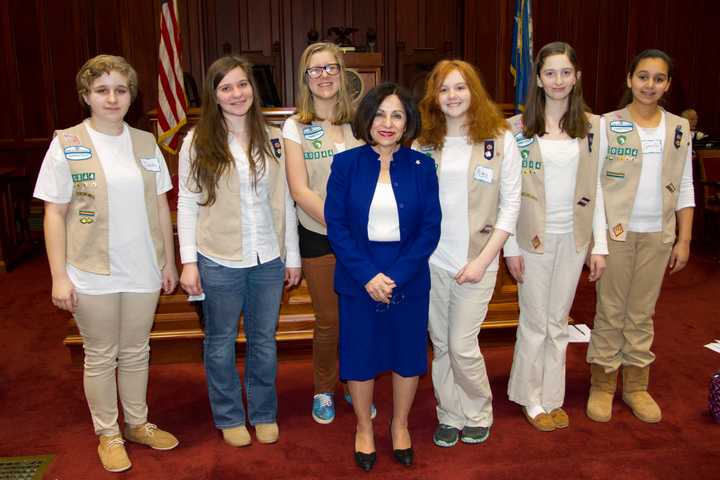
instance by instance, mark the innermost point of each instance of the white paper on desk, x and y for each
(714, 346)
(579, 333)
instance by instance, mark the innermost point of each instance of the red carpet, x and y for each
(43, 409)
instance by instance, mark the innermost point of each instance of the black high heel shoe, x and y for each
(403, 456)
(366, 461)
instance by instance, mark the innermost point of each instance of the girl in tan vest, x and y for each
(236, 225)
(110, 247)
(478, 165)
(647, 181)
(319, 130)
(561, 212)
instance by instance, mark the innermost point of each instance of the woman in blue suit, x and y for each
(383, 218)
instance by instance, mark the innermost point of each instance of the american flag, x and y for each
(172, 103)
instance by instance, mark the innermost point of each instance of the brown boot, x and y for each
(635, 395)
(602, 391)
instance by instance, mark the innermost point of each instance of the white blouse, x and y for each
(383, 219)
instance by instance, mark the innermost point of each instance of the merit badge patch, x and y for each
(522, 141)
(670, 187)
(621, 126)
(591, 137)
(77, 152)
(618, 230)
(70, 139)
(678, 136)
(87, 216)
(489, 149)
(487, 229)
(83, 177)
(317, 144)
(621, 139)
(535, 242)
(583, 201)
(313, 132)
(277, 147)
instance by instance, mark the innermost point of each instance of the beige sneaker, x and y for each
(560, 418)
(267, 432)
(149, 434)
(113, 456)
(237, 436)
(542, 421)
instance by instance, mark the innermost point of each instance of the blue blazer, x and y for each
(350, 191)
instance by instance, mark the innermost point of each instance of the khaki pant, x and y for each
(319, 273)
(459, 377)
(116, 336)
(626, 295)
(537, 377)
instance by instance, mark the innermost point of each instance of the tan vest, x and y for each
(483, 188)
(531, 221)
(623, 163)
(318, 153)
(219, 227)
(86, 223)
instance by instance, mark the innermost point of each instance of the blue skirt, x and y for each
(375, 337)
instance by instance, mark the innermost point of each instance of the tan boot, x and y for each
(635, 395)
(602, 391)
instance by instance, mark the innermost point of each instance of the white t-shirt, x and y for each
(290, 132)
(561, 158)
(452, 250)
(383, 217)
(133, 264)
(646, 215)
(259, 241)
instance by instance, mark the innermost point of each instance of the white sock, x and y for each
(534, 410)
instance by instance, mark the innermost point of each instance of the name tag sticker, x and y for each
(150, 164)
(652, 146)
(483, 174)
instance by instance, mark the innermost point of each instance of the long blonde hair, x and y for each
(305, 105)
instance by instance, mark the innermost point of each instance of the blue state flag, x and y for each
(522, 53)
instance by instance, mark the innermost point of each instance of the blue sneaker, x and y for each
(323, 410)
(373, 410)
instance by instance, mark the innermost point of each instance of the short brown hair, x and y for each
(368, 107)
(96, 67)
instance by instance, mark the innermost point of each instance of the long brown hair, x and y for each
(574, 122)
(627, 96)
(484, 119)
(211, 153)
(305, 105)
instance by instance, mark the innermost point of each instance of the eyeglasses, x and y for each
(395, 300)
(331, 69)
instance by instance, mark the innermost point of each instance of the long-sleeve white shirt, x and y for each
(452, 250)
(259, 241)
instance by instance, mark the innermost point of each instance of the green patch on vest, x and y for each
(623, 151)
(612, 174)
(530, 166)
(318, 155)
(83, 177)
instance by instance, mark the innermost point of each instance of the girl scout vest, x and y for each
(87, 220)
(623, 163)
(219, 227)
(531, 221)
(318, 153)
(483, 188)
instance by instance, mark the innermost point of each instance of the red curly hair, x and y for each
(484, 118)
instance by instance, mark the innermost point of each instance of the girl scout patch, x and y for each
(77, 152)
(678, 136)
(522, 141)
(70, 139)
(277, 147)
(313, 132)
(621, 126)
(87, 216)
(618, 230)
(535, 242)
(489, 149)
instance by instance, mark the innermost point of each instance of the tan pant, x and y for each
(319, 273)
(537, 377)
(460, 381)
(116, 336)
(626, 295)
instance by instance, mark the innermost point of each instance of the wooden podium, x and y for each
(177, 333)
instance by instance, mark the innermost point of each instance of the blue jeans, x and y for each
(256, 292)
